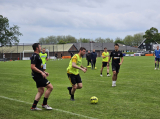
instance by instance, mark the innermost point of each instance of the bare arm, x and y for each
(77, 67)
(109, 59)
(37, 70)
(121, 61)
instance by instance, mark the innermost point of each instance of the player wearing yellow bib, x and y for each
(105, 59)
(73, 72)
(43, 56)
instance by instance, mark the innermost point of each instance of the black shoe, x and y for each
(72, 99)
(69, 88)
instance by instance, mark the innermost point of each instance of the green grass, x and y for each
(137, 95)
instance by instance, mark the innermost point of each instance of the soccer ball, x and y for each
(94, 100)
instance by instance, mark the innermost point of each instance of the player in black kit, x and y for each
(39, 77)
(116, 55)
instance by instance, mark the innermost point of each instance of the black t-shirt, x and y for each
(88, 56)
(116, 55)
(35, 59)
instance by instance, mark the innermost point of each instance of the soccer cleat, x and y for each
(69, 88)
(101, 75)
(108, 75)
(113, 85)
(155, 69)
(72, 99)
(36, 108)
(46, 107)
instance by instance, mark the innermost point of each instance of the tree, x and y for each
(128, 40)
(100, 40)
(108, 40)
(8, 34)
(58, 39)
(152, 35)
(118, 40)
(62, 42)
(137, 39)
(83, 40)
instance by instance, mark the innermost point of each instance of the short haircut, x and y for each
(82, 48)
(35, 45)
(116, 45)
(105, 48)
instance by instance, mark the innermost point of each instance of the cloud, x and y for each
(83, 18)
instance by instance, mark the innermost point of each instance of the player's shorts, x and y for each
(104, 64)
(115, 68)
(74, 78)
(40, 81)
(157, 59)
(44, 66)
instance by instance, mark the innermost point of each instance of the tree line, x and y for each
(134, 40)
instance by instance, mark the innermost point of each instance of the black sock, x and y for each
(101, 73)
(45, 101)
(155, 65)
(34, 104)
(107, 73)
(72, 96)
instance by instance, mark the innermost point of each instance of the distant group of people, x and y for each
(91, 58)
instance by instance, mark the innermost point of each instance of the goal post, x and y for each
(31, 51)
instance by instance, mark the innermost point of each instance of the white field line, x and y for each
(53, 108)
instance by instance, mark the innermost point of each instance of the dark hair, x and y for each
(105, 48)
(82, 48)
(116, 45)
(35, 45)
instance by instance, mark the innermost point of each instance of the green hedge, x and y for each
(129, 52)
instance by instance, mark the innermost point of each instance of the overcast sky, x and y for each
(81, 18)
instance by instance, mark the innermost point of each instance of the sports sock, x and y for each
(72, 96)
(34, 104)
(155, 65)
(113, 82)
(101, 73)
(158, 66)
(107, 73)
(45, 101)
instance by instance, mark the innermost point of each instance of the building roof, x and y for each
(143, 42)
(101, 46)
(51, 48)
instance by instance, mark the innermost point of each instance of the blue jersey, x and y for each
(157, 53)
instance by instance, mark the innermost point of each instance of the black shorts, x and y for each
(74, 78)
(104, 64)
(89, 60)
(157, 59)
(115, 68)
(40, 81)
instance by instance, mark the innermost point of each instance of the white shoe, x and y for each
(47, 107)
(113, 85)
(155, 69)
(101, 75)
(36, 108)
(108, 75)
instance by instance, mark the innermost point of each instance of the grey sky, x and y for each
(81, 18)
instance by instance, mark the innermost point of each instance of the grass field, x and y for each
(137, 95)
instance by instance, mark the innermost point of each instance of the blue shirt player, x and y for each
(157, 57)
